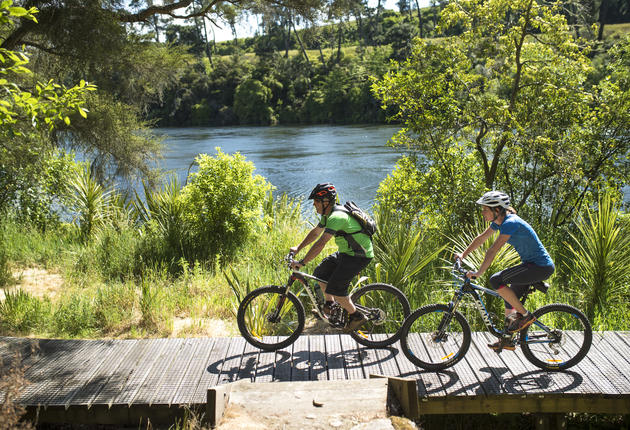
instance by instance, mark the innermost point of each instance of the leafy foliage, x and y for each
(222, 203)
(510, 92)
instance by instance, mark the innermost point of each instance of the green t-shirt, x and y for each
(358, 244)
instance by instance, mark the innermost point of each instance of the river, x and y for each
(294, 159)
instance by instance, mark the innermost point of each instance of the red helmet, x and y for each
(323, 191)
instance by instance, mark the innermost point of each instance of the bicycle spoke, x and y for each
(558, 339)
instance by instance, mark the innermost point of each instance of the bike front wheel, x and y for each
(559, 338)
(434, 338)
(270, 318)
(385, 308)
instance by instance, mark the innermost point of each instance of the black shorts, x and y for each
(520, 278)
(338, 270)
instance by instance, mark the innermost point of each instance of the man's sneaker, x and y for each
(520, 323)
(355, 322)
(326, 310)
(506, 344)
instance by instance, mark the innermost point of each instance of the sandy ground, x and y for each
(36, 281)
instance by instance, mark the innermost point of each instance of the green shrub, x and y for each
(222, 203)
(6, 278)
(76, 317)
(21, 313)
(115, 305)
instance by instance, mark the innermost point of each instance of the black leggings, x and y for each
(520, 278)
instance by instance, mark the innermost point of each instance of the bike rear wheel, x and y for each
(559, 338)
(270, 318)
(435, 338)
(385, 308)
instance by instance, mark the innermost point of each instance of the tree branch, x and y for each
(168, 9)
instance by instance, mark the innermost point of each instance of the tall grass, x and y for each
(111, 288)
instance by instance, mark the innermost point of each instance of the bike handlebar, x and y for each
(457, 268)
(290, 259)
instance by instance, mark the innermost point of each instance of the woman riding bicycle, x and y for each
(338, 269)
(536, 264)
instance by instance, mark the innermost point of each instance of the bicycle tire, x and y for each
(419, 344)
(393, 308)
(567, 346)
(256, 310)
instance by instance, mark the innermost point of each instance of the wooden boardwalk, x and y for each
(93, 378)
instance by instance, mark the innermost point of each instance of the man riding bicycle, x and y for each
(536, 264)
(338, 269)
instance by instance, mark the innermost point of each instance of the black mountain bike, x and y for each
(437, 336)
(273, 317)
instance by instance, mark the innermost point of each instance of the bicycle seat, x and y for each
(541, 286)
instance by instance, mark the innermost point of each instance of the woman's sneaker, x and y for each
(507, 344)
(355, 322)
(520, 323)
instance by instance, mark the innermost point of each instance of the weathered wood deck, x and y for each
(94, 378)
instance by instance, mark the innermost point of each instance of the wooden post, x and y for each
(406, 392)
(218, 399)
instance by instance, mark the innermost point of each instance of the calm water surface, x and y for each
(294, 159)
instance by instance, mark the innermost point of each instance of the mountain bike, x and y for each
(273, 317)
(437, 336)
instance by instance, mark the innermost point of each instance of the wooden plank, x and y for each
(491, 370)
(213, 367)
(266, 366)
(197, 367)
(232, 363)
(317, 357)
(334, 357)
(20, 346)
(174, 375)
(427, 381)
(352, 356)
(300, 369)
(601, 372)
(124, 369)
(478, 382)
(45, 378)
(541, 403)
(282, 366)
(100, 351)
(370, 361)
(386, 358)
(249, 363)
(146, 393)
(143, 365)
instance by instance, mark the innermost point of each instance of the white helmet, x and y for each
(495, 199)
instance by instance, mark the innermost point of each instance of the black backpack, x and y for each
(368, 226)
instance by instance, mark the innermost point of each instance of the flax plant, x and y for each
(163, 206)
(90, 203)
(401, 252)
(599, 251)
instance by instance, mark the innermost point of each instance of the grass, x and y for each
(107, 292)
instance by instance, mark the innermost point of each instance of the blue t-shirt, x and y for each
(524, 240)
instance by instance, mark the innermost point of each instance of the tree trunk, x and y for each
(297, 36)
(420, 23)
(339, 34)
(603, 9)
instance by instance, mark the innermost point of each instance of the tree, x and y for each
(512, 90)
(32, 173)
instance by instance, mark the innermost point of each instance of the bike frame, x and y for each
(466, 287)
(302, 277)
(316, 299)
